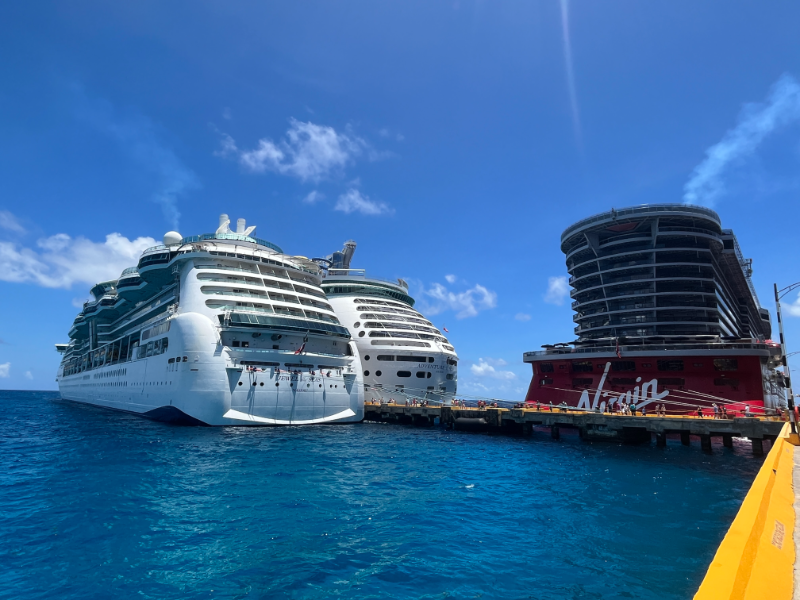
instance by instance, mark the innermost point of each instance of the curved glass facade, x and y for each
(660, 270)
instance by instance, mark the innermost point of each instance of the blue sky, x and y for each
(454, 141)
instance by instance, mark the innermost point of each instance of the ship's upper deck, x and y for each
(356, 282)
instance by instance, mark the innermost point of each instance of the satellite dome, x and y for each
(172, 238)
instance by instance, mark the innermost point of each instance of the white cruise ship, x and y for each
(215, 329)
(403, 356)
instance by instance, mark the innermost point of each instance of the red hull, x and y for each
(681, 383)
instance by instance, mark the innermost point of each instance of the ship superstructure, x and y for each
(665, 313)
(215, 329)
(403, 355)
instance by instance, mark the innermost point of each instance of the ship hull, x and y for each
(683, 382)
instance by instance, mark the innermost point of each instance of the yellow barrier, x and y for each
(756, 557)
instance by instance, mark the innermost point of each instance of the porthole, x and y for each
(366, 357)
(320, 385)
(308, 385)
(277, 384)
(378, 373)
(429, 374)
(262, 384)
(366, 373)
(255, 384)
(430, 359)
(240, 383)
(356, 324)
(360, 334)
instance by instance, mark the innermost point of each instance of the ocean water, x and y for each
(97, 504)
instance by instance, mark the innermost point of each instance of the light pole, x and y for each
(786, 372)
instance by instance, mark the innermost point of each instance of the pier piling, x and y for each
(758, 447)
(727, 440)
(661, 440)
(705, 443)
(685, 438)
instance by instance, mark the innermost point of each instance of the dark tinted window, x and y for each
(385, 357)
(670, 365)
(677, 381)
(623, 380)
(623, 365)
(420, 374)
(582, 381)
(404, 373)
(546, 381)
(582, 366)
(726, 364)
(545, 367)
(412, 358)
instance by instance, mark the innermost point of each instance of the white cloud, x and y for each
(141, 139)
(9, 222)
(61, 261)
(756, 121)
(5, 369)
(469, 303)
(793, 309)
(450, 278)
(28, 375)
(309, 151)
(354, 201)
(485, 368)
(226, 114)
(313, 197)
(557, 290)
(522, 317)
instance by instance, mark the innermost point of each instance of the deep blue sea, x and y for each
(98, 504)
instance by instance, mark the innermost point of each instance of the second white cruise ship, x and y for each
(216, 329)
(403, 356)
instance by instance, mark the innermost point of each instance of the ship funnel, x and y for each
(224, 221)
(241, 224)
(347, 253)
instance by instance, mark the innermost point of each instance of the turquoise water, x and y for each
(96, 504)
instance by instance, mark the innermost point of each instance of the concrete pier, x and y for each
(758, 556)
(591, 426)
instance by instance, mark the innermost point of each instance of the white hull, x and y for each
(212, 388)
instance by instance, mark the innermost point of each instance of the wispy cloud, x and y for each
(226, 114)
(9, 222)
(522, 317)
(313, 197)
(793, 309)
(5, 369)
(756, 121)
(354, 201)
(557, 290)
(141, 139)
(450, 278)
(28, 375)
(573, 95)
(468, 303)
(309, 152)
(60, 261)
(486, 368)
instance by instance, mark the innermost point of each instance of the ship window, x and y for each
(449, 375)
(623, 365)
(378, 373)
(420, 374)
(546, 368)
(366, 357)
(697, 364)
(623, 380)
(545, 381)
(726, 381)
(674, 381)
(385, 357)
(582, 381)
(357, 324)
(582, 366)
(726, 364)
(245, 344)
(452, 362)
(360, 334)
(670, 365)
(235, 343)
(366, 373)
(411, 358)
(647, 365)
(404, 373)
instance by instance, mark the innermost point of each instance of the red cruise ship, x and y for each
(665, 313)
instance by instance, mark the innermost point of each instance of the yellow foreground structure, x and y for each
(756, 559)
